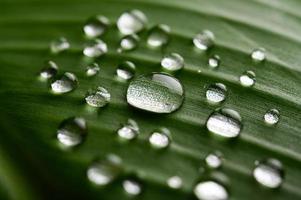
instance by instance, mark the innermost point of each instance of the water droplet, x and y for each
(214, 61)
(155, 92)
(131, 22)
(59, 45)
(269, 173)
(172, 62)
(95, 48)
(247, 79)
(128, 42)
(131, 187)
(213, 160)
(129, 131)
(66, 83)
(49, 71)
(258, 55)
(216, 93)
(92, 70)
(175, 182)
(204, 40)
(271, 117)
(210, 190)
(160, 138)
(224, 122)
(96, 26)
(158, 36)
(126, 70)
(72, 131)
(98, 98)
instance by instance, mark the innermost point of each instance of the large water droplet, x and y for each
(131, 22)
(216, 93)
(96, 26)
(95, 48)
(160, 138)
(247, 79)
(204, 40)
(49, 71)
(72, 131)
(224, 122)
(214, 61)
(126, 70)
(59, 45)
(156, 92)
(210, 190)
(172, 62)
(129, 42)
(158, 36)
(128, 131)
(66, 83)
(213, 160)
(132, 187)
(269, 173)
(92, 69)
(271, 117)
(98, 98)
(258, 55)
(175, 182)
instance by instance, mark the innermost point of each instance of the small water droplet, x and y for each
(160, 138)
(258, 55)
(66, 83)
(210, 190)
(98, 98)
(247, 79)
(175, 182)
(128, 131)
(132, 187)
(213, 160)
(214, 61)
(95, 48)
(126, 70)
(49, 71)
(271, 117)
(96, 26)
(72, 131)
(269, 173)
(172, 62)
(158, 36)
(59, 45)
(155, 92)
(224, 122)
(131, 22)
(129, 42)
(216, 93)
(204, 40)
(92, 70)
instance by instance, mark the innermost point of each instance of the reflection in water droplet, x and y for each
(49, 71)
(224, 122)
(59, 45)
(271, 117)
(204, 40)
(66, 83)
(247, 79)
(96, 26)
(128, 131)
(214, 61)
(158, 36)
(210, 190)
(92, 70)
(98, 98)
(95, 48)
(213, 160)
(216, 93)
(129, 42)
(126, 70)
(258, 55)
(175, 182)
(160, 138)
(155, 92)
(131, 22)
(172, 62)
(269, 173)
(72, 131)
(131, 187)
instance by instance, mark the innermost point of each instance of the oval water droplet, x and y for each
(258, 55)
(128, 131)
(96, 26)
(126, 70)
(214, 61)
(204, 40)
(131, 22)
(59, 45)
(271, 117)
(92, 69)
(132, 187)
(269, 173)
(216, 93)
(66, 83)
(213, 160)
(129, 42)
(158, 36)
(95, 48)
(49, 71)
(160, 138)
(155, 92)
(210, 190)
(98, 98)
(72, 131)
(225, 122)
(172, 62)
(247, 79)
(175, 182)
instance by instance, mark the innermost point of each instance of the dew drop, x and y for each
(92, 69)
(66, 83)
(129, 131)
(72, 131)
(96, 26)
(98, 98)
(49, 71)
(214, 61)
(158, 36)
(247, 79)
(132, 187)
(269, 173)
(172, 62)
(258, 55)
(175, 182)
(213, 160)
(204, 40)
(126, 70)
(59, 45)
(271, 117)
(160, 138)
(155, 92)
(131, 22)
(129, 42)
(210, 190)
(95, 48)
(224, 122)
(216, 93)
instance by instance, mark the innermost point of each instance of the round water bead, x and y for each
(216, 93)
(175, 182)
(59, 45)
(95, 48)
(131, 22)
(213, 160)
(49, 71)
(66, 83)
(258, 55)
(204, 40)
(172, 62)
(158, 36)
(271, 117)
(247, 79)
(96, 26)
(98, 98)
(214, 61)
(126, 70)
(128, 131)
(92, 69)
(210, 190)
(160, 138)
(129, 42)
(131, 187)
